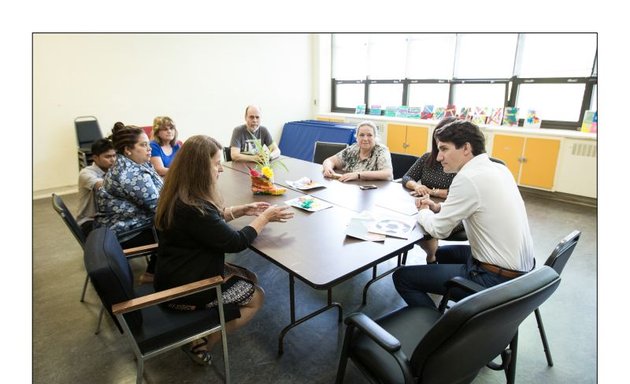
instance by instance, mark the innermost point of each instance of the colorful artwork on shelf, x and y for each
(531, 120)
(427, 112)
(496, 116)
(510, 116)
(589, 124)
(360, 109)
(450, 111)
(464, 113)
(479, 116)
(439, 113)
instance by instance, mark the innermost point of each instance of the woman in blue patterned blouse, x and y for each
(129, 196)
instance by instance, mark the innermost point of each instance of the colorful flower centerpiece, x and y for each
(262, 175)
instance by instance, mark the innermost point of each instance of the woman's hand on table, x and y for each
(349, 176)
(422, 190)
(276, 213)
(255, 209)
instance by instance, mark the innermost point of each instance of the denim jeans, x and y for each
(415, 281)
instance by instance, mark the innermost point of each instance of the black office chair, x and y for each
(227, 153)
(557, 260)
(150, 328)
(421, 345)
(325, 149)
(88, 131)
(60, 207)
(401, 163)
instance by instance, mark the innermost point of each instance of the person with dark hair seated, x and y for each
(485, 197)
(426, 177)
(129, 196)
(192, 221)
(91, 180)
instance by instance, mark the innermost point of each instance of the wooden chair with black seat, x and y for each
(423, 345)
(325, 149)
(556, 260)
(150, 328)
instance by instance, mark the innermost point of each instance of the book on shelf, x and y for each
(375, 110)
(360, 109)
(390, 111)
(414, 112)
(402, 111)
(427, 112)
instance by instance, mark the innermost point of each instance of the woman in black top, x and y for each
(194, 236)
(426, 177)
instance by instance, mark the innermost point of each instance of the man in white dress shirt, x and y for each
(485, 197)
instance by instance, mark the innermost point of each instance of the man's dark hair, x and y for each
(101, 146)
(461, 132)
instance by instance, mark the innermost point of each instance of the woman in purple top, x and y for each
(164, 145)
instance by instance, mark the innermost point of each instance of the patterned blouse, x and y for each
(379, 159)
(432, 177)
(129, 196)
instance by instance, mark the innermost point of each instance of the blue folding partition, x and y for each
(299, 137)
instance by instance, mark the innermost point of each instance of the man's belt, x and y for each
(509, 273)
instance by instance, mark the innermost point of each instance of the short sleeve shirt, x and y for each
(379, 159)
(156, 151)
(242, 139)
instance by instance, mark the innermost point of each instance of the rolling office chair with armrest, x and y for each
(556, 260)
(150, 328)
(422, 345)
(325, 149)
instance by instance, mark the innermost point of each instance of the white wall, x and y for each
(202, 81)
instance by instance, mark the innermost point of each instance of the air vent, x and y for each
(584, 149)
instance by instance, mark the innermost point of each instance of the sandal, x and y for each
(197, 354)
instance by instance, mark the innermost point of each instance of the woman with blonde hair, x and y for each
(194, 236)
(164, 145)
(366, 159)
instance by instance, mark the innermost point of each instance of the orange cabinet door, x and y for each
(540, 160)
(417, 140)
(396, 137)
(510, 150)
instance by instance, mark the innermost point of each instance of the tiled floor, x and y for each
(65, 349)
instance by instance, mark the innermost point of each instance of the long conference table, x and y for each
(313, 246)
